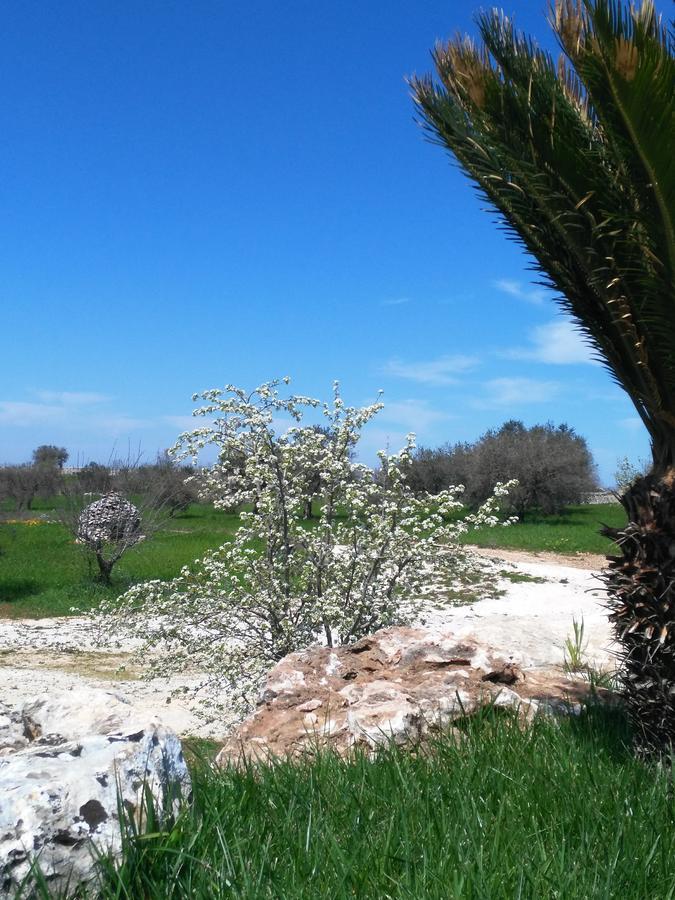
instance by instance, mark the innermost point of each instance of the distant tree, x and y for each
(168, 485)
(24, 483)
(50, 455)
(435, 469)
(553, 465)
(108, 528)
(161, 484)
(94, 478)
(137, 501)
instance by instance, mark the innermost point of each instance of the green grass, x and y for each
(561, 810)
(572, 531)
(44, 573)
(521, 577)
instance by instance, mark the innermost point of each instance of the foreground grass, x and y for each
(44, 573)
(560, 810)
(574, 530)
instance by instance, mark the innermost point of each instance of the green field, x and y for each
(44, 573)
(575, 530)
(561, 810)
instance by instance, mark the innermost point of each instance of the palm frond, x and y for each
(571, 178)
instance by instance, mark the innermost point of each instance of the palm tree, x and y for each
(578, 157)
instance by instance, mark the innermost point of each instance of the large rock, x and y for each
(398, 684)
(66, 764)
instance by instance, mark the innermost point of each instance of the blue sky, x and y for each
(211, 192)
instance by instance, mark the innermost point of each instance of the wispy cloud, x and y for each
(71, 398)
(414, 415)
(18, 414)
(395, 301)
(558, 342)
(439, 371)
(70, 411)
(376, 438)
(119, 424)
(534, 295)
(501, 393)
(631, 423)
(185, 423)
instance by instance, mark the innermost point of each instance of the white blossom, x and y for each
(283, 583)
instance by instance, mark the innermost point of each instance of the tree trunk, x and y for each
(105, 567)
(641, 586)
(308, 509)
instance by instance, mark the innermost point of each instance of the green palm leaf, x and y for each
(577, 156)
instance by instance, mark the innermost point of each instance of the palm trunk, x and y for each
(641, 587)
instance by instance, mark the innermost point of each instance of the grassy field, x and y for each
(561, 810)
(44, 573)
(572, 531)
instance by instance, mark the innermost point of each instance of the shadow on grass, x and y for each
(17, 588)
(603, 727)
(600, 729)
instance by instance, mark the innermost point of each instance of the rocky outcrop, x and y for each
(66, 764)
(400, 684)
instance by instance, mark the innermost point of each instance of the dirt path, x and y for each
(589, 561)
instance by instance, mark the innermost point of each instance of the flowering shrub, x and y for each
(281, 583)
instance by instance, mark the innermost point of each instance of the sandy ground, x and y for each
(590, 561)
(539, 596)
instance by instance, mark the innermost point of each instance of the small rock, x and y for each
(310, 705)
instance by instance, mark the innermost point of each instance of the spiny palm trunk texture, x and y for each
(641, 586)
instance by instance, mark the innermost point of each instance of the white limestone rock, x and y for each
(60, 790)
(12, 730)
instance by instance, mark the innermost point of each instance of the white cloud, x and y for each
(517, 289)
(53, 406)
(434, 371)
(67, 411)
(185, 423)
(21, 415)
(631, 423)
(508, 392)
(375, 439)
(120, 424)
(395, 301)
(415, 415)
(558, 342)
(71, 398)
